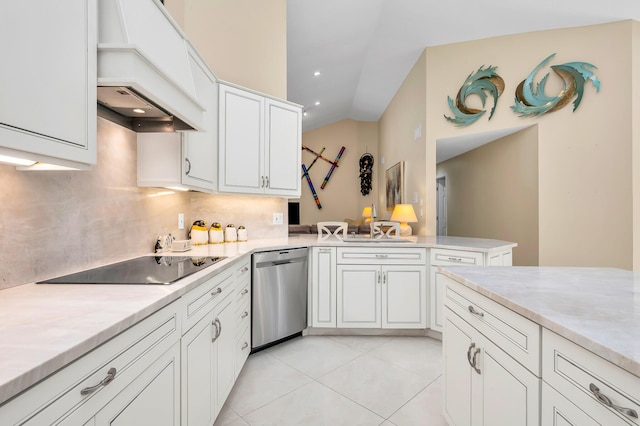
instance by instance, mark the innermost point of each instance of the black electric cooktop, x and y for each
(141, 270)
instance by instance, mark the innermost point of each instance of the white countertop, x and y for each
(45, 327)
(596, 308)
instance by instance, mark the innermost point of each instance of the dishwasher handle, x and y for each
(280, 262)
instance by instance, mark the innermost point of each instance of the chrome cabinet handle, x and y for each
(474, 312)
(244, 314)
(267, 180)
(244, 346)
(384, 278)
(455, 259)
(218, 326)
(245, 269)
(604, 400)
(188, 166)
(217, 292)
(245, 291)
(378, 277)
(324, 249)
(382, 256)
(111, 374)
(472, 358)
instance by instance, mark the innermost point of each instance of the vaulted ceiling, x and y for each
(364, 49)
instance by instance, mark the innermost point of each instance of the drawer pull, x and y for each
(217, 292)
(474, 312)
(245, 269)
(244, 314)
(472, 358)
(606, 401)
(111, 374)
(245, 291)
(382, 256)
(455, 259)
(245, 346)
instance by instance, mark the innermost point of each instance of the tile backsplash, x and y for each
(58, 222)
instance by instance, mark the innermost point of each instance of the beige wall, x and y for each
(585, 173)
(406, 111)
(341, 198)
(492, 192)
(243, 41)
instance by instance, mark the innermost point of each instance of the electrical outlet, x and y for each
(278, 218)
(180, 220)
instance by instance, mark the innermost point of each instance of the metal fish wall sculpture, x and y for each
(483, 81)
(534, 102)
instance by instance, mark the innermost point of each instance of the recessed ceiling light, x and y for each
(138, 110)
(304, 114)
(316, 74)
(317, 103)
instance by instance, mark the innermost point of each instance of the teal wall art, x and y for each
(532, 102)
(483, 81)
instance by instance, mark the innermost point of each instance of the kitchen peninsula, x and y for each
(549, 345)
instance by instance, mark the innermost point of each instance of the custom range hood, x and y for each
(145, 79)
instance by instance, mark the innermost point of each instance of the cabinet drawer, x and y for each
(512, 332)
(382, 256)
(243, 315)
(199, 301)
(579, 374)
(61, 395)
(456, 257)
(243, 272)
(243, 348)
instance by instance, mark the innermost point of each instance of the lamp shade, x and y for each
(404, 213)
(366, 212)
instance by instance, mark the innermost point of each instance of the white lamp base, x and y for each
(405, 229)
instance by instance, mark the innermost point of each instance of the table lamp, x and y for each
(366, 212)
(404, 213)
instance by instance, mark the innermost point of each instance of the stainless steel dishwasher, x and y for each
(279, 305)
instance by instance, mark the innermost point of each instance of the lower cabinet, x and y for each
(483, 384)
(385, 289)
(134, 378)
(322, 294)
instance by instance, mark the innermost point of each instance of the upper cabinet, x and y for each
(186, 160)
(259, 144)
(48, 81)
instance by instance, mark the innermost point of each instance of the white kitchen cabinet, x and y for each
(597, 388)
(122, 376)
(186, 160)
(559, 411)
(322, 296)
(48, 81)
(208, 348)
(491, 362)
(259, 144)
(483, 384)
(381, 288)
(448, 257)
(243, 315)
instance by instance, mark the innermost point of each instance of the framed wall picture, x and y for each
(395, 185)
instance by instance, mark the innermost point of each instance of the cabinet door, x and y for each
(559, 411)
(456, 344)
(436, 300)
(359, 304)
(509, 393)
(152, 399)
(323, 287)
(283, 145)
(224, 350)
(48, 80)
(198, 363)
(404, 296)
(199, 149)
(241, 134)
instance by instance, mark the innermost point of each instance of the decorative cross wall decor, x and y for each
(305, 170)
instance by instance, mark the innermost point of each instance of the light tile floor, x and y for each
(340, 380)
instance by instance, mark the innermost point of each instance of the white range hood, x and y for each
(144, 64)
